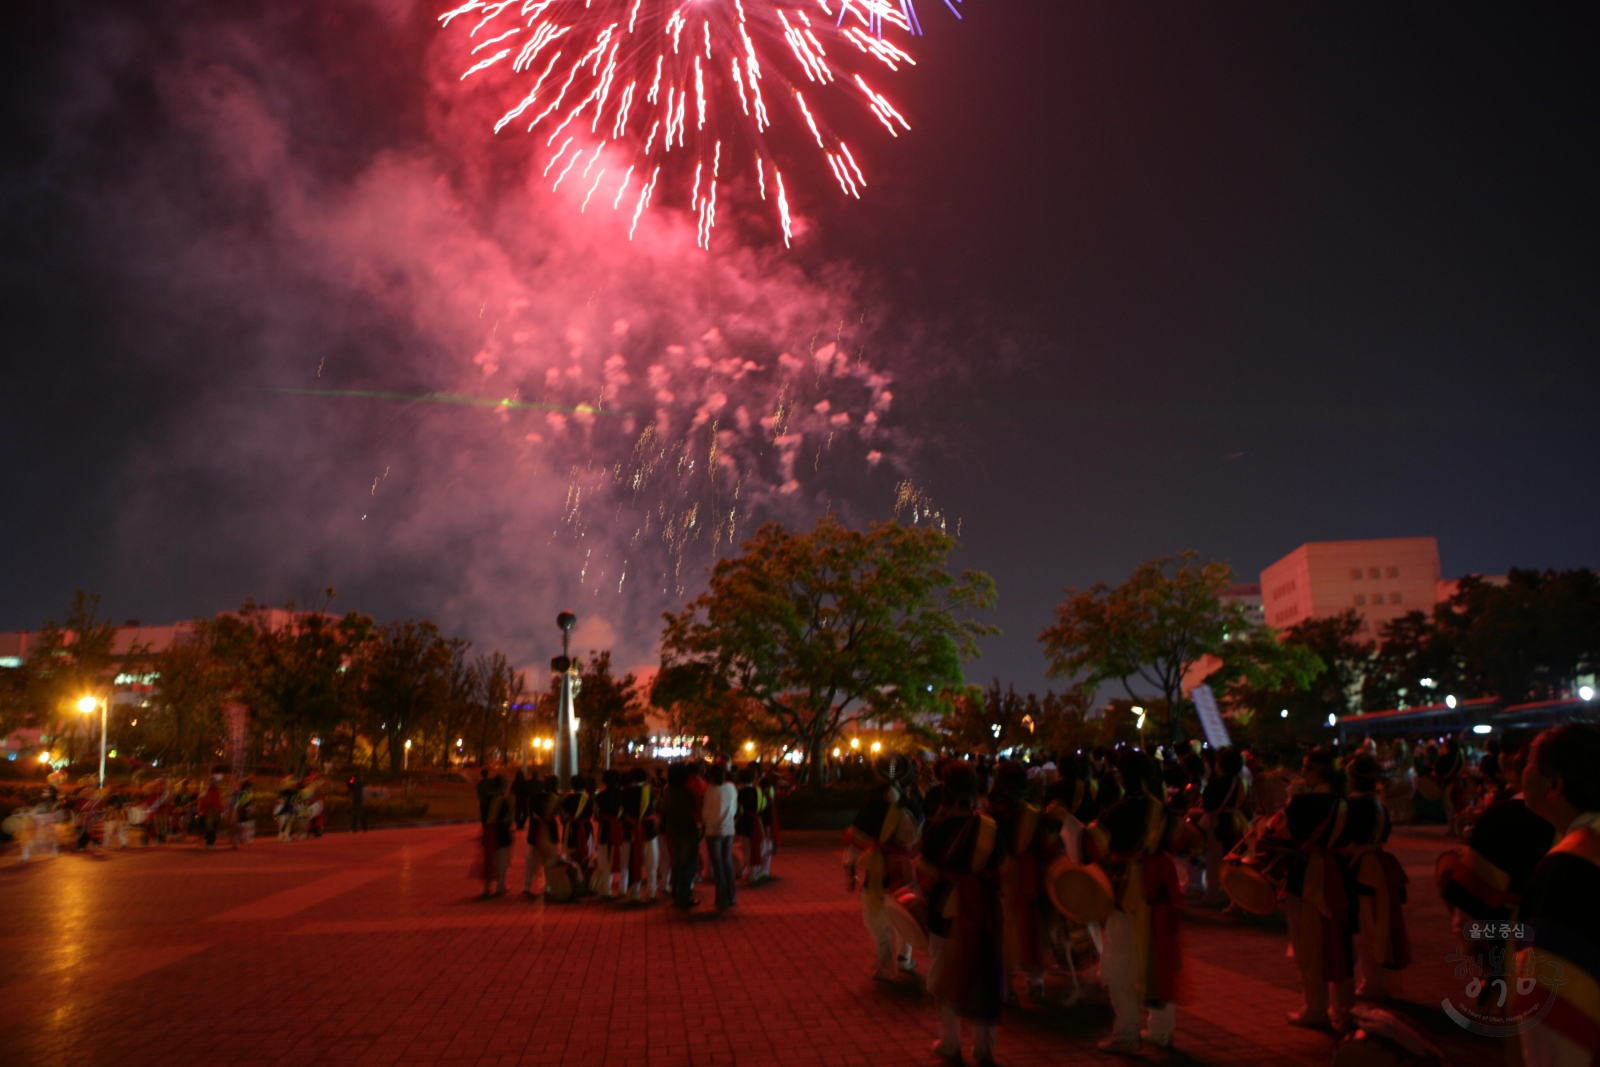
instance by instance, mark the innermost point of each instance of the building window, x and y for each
(1355, 574)
(1394, 598)
(1361, 599)
(1393, 572)
(1372, 572)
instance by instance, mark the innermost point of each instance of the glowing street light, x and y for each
(86, 705)
(877, 746)
(405, 760)
(749, 746)
(1586, 692)
(855, 742)
(1450, 701)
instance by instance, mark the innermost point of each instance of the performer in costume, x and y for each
(1140, 960)
(1561, 784)
(611, 852)
(878, 851)
(208, 810)
(577, 818)
(1491, 873)
(544, 831)
(497, 820)
(643, 826)
(747, 823)
(1223, 821)
(1450, 771)
(1383, 949)
(771, 836)
(1023, 902)
(959, 866)
(1322, 914)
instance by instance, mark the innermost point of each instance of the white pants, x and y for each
(648, 866)
(767, 849)
(1333, 999)
(603, 871)
(1119, 970)
(883, 936)
(1372, 979)
(950, 1022)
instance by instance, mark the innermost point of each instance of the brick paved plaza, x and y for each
(376, 950)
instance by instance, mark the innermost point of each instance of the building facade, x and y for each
(1380, 579)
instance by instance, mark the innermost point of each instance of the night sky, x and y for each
(1147, 277)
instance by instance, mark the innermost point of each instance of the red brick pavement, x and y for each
(375, 950)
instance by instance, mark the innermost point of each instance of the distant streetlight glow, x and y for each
(855, 742)
(1284, 714)
(1483, 728)
(749, 746)
(1450, 701)
(877, 746)
(1585, 692)
(87, 704)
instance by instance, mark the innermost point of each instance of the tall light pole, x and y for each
(86, 705)
(565, 763)
(405, 760)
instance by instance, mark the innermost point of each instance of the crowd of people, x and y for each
(1002, 870)
(639, 837)
(157, 812)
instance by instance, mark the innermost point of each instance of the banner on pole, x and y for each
(1211, 723)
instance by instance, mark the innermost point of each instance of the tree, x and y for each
(1315, 671)
(71, 661)
(405, 671)
(185, 717)
(1416, 663)
(824, 628)
(1528, 638)
(496, 688)
(1164, 618)
(295, 674)
(697, 701)
(607, 708)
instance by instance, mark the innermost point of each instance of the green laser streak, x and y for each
(456, 398)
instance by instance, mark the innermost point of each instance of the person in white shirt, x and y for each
(717, 812)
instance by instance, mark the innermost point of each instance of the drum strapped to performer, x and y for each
(1080, 892)
(561, 881)
(908, 914)
(1251, 877)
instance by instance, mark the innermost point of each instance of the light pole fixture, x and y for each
(87, 704)
(405, 760)
(565, 763)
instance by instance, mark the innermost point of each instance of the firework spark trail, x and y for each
(626, 45)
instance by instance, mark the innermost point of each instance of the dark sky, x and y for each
(1154, 276)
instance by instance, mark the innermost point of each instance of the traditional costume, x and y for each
(611, 846)
(544, 833)
(771, 836)
(748, 825)
(878, 851)
(1223, 821)
(577, 818)
(1024, 904)
(1140, 961)
(1322, 913)
(642, 826)
(960, 862)
(1563, 961)
(1383, 949)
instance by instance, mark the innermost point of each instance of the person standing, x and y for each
(747, 823)
(770, 834)
(1383, 949)
(960, 865)
(1141, 958)
(577, 818)
(877, 856)
(611, 852)
(1561, 784)
(358, 802)
(544, 832)
(1023, 900)
(642, 826)
(209, 809)
(1318, 892)
(244, 819)
(497, 819)
(1222, 802)
(680, 814)
(717, 814)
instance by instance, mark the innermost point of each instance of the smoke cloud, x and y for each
(305, 199)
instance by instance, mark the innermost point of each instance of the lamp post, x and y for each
(565, 762)
(86, 705)
(405, 760)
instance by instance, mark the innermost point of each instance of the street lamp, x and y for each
(565, 762)
(85, 706)
(405, 760)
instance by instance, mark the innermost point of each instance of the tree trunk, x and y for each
(816, 768)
